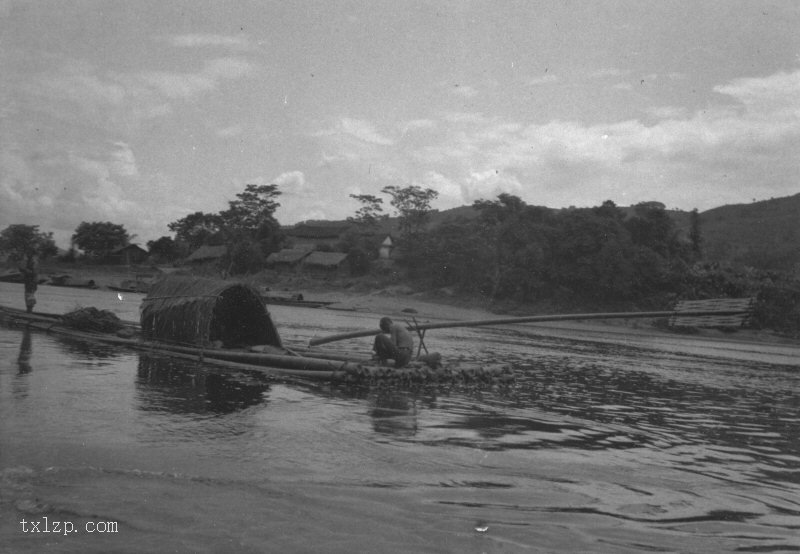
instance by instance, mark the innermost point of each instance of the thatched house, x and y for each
(129, 255)
(207, 313)
(314, 235)
(324, 262)
(288, 258)
(207, 253)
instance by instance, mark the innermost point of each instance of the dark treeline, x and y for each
(588, 257)
(585, 259)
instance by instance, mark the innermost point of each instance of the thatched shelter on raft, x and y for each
(206, 313)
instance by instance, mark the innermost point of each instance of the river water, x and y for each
(606, 442)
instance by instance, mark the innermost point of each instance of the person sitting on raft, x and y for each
(393, 342)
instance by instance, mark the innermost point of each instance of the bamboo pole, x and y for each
(531, 319)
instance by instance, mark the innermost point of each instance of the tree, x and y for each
(369, 214)
(413, 205)
(251, 209)
(20, 242)
(166, 249)
(197, 229)
(251, 219)
(98, 238)
(695, 236)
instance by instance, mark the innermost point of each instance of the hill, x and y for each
(763, 235)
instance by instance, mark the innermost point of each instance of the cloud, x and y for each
(123, 162)
(667, 112)
(548, 79)
(187, 85)
(690, 159)
(292, 182)
(231, 131)
(770, 92)
(416, 125)
(236, 42)
(464, 90)
(608, 72)
(363, 131)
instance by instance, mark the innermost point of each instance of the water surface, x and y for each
(621, 443)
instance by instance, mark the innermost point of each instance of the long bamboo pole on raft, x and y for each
(530, 319)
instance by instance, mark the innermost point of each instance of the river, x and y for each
(605, 442)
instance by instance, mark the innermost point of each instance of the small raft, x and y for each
(227, 324)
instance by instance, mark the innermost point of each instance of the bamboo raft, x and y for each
(227, 325)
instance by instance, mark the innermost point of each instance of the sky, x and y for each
(142, 112)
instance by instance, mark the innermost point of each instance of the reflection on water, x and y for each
(176, 387)
(87, 350)
(25, 351)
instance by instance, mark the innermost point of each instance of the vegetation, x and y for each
(22, 242)
(248, 228)
(99, 238)
(513, 255)
(166, 249)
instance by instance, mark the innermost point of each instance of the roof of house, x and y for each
(127, 247)
(287, 256)
(325, 259)
(207, 252)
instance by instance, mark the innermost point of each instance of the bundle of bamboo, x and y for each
(204, 312)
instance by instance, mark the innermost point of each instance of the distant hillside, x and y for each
(764, 235)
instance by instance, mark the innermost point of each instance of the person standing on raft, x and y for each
(394, 342)
(30, 279)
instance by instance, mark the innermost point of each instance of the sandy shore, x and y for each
(404, 304)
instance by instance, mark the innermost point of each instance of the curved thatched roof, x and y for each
(196, 311)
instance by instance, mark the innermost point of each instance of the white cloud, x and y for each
(123, 161)
(781, 89)
(187, 85)
(548, 79)
(608, 72)
(682, 158)
(199, 40)
(464, 90)
(363, 131)
(231, 131)
(667, 112)
(291, 182)
(416, 125)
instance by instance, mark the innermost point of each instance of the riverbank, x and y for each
(386, 295)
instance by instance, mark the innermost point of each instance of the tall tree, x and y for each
(20, 242)
(695, 236)
(197, 229)
(252, 208)
(413, 205)
(370, 213)
(249, 226)
(98, 238)
(166, 249)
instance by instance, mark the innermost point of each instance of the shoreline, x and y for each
(402, 303)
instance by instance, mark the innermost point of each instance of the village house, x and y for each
(311, 235)
(287, 259)
(130, 254)
(325, 263)
(207, 253)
